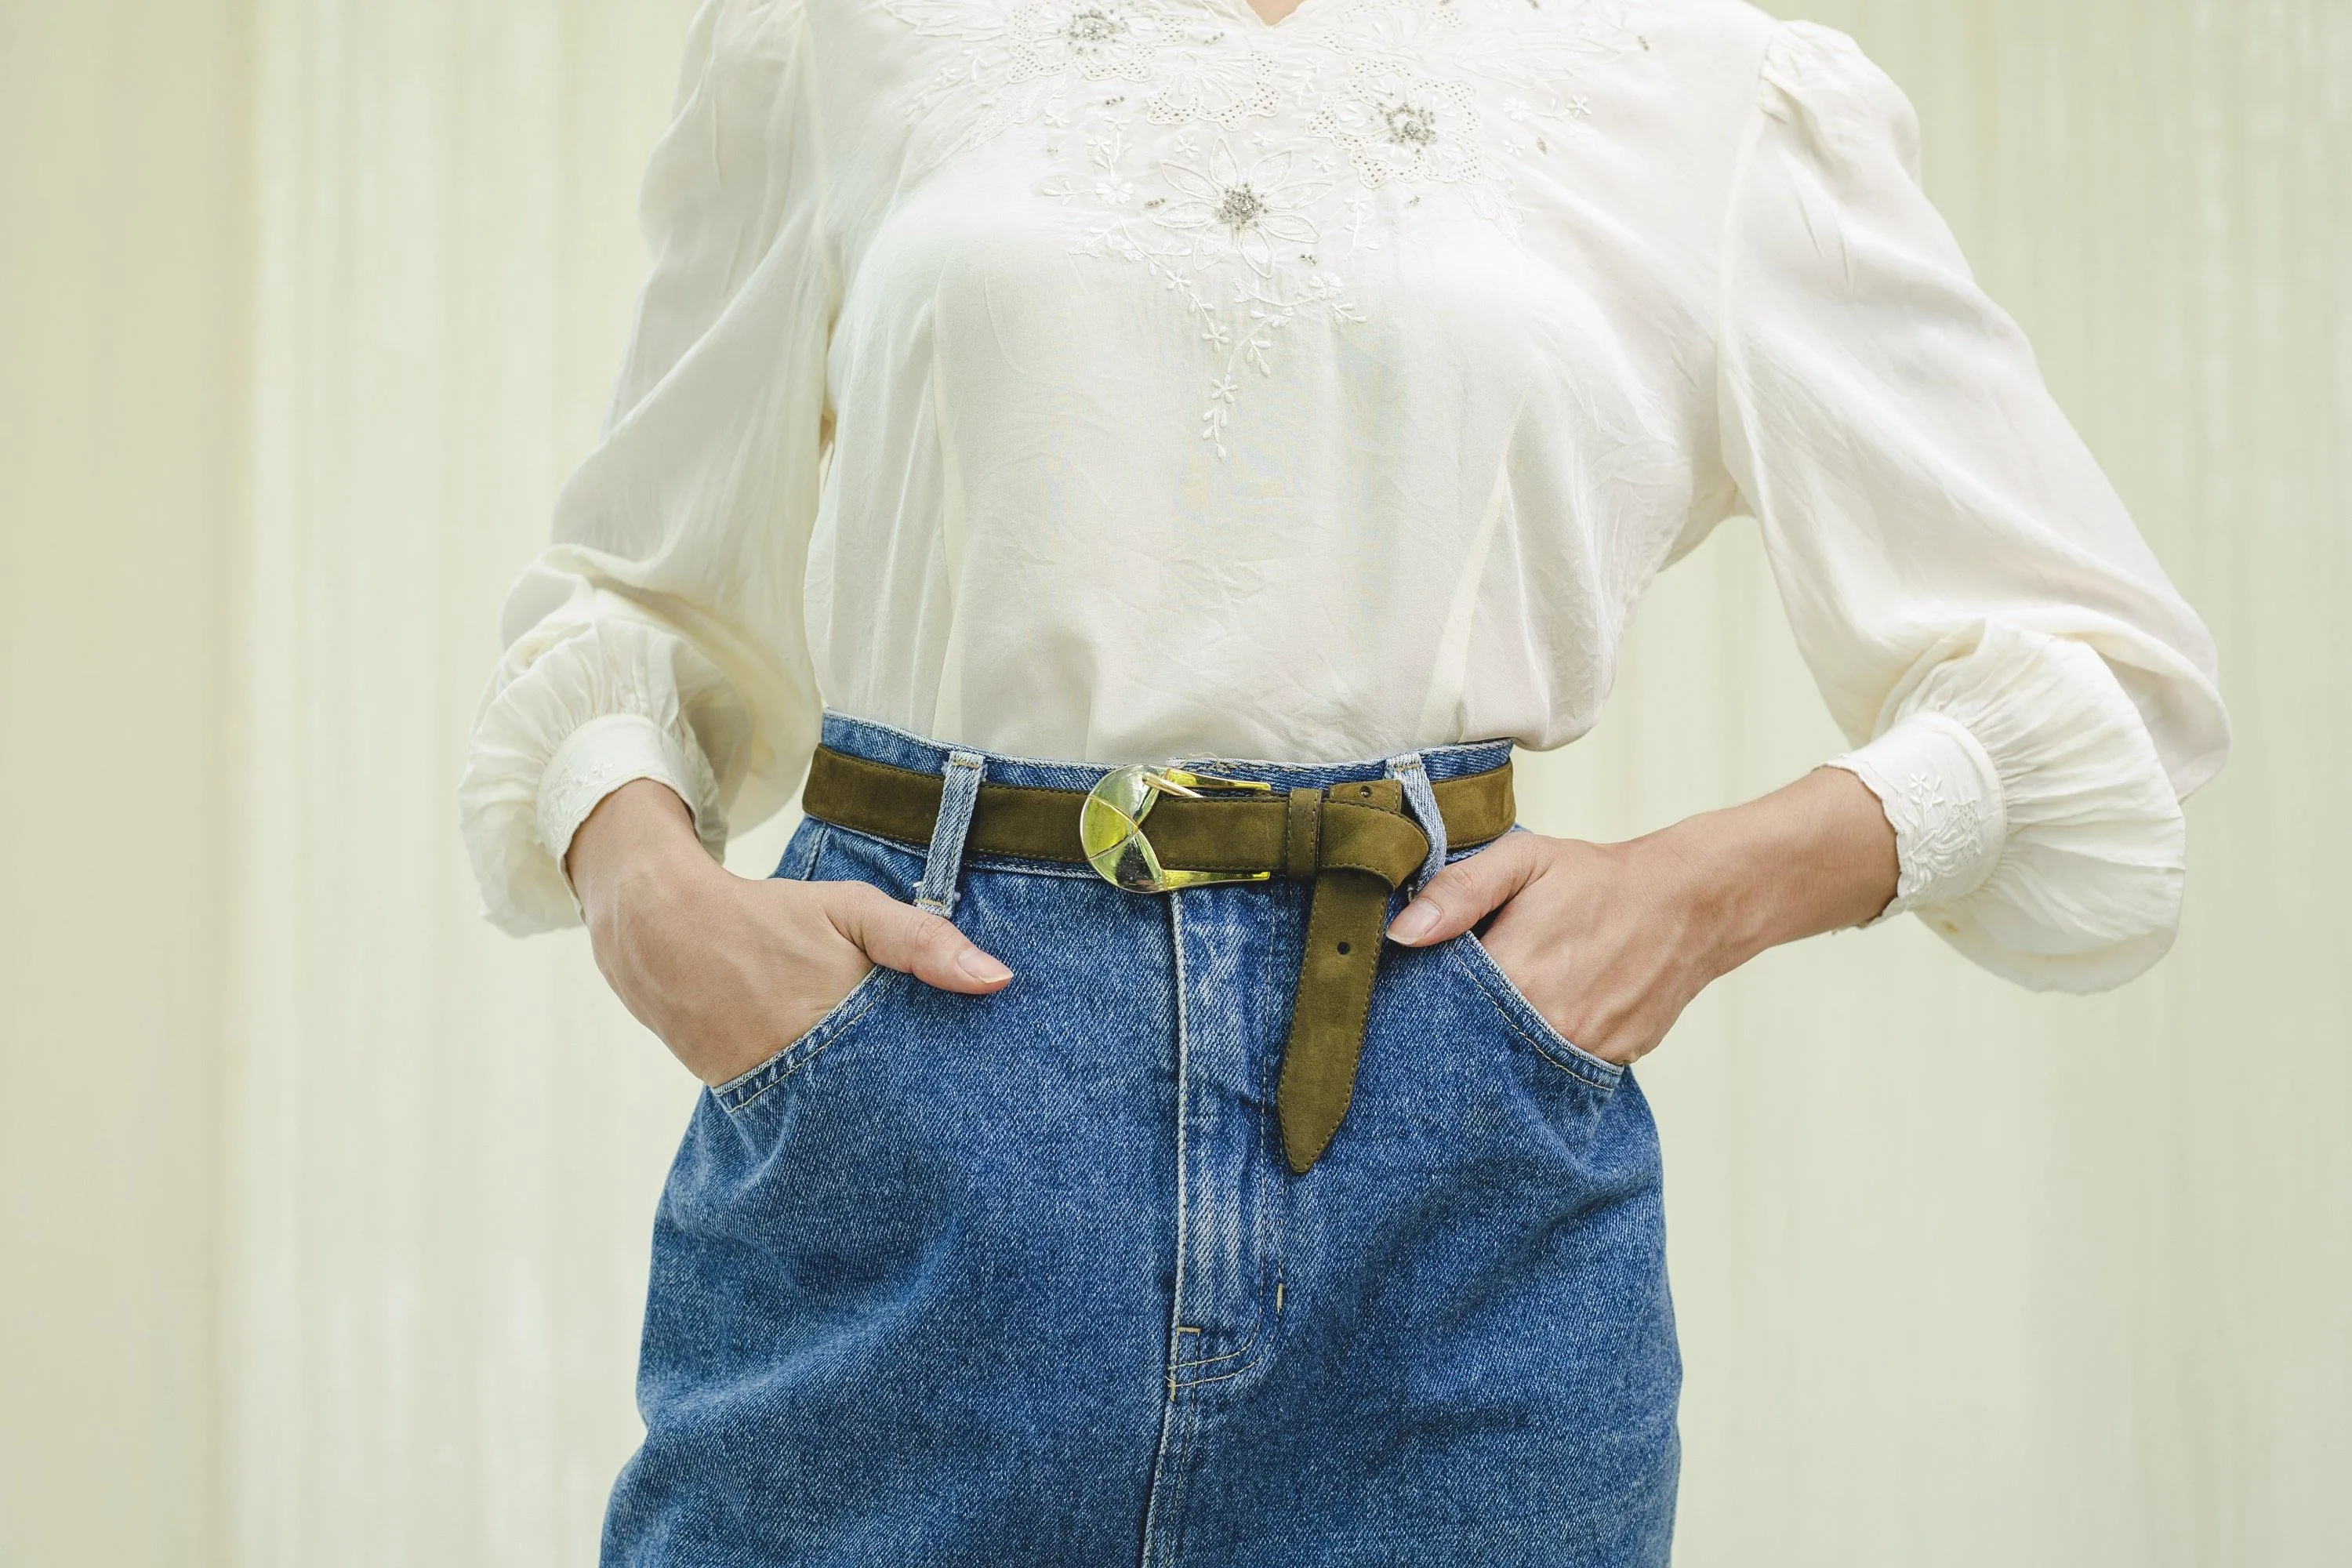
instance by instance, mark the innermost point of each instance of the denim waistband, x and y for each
(1353, 887)
(879, 742)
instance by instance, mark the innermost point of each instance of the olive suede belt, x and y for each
(1354, 841)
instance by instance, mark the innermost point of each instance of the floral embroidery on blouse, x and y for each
(1213, 219)
(1943, 843)
(1102, 38)
(1393, 123)
(1251, 211)
(1246, 169)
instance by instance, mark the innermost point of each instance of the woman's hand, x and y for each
(727, 970)
(1611, 941)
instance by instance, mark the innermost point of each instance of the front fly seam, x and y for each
(1183, 1115)
(1164, 1496)
(1266, 1223)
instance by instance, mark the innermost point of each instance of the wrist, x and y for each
(1719, 875)
(1815, 856)
(640, 838)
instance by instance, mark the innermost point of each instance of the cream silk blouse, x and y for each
(1133, 379)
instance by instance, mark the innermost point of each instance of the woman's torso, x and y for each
(1208, 386)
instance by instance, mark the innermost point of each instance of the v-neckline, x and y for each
(1256, 18)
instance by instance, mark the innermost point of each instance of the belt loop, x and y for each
(1407, 770)
(958, 795)
(1302, 833)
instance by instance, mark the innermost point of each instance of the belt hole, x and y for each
(1343, 950)
(1364, 790)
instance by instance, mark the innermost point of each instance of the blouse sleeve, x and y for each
(2029, 696)
(659, 635)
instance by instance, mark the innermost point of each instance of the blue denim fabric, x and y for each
(1024, 1279)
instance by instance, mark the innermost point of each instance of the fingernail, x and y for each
(981, 967)
(1414, 924)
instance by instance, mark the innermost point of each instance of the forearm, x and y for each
(1813, 855)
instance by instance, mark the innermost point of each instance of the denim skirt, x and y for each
(1024, 1279)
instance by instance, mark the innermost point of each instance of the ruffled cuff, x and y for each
(2038, 830)
(607, 701)
(1943, 797)
(600, 757)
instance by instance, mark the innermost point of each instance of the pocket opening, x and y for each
(744, 1087)
(1504, 994)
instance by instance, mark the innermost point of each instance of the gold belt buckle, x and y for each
(1110, 826)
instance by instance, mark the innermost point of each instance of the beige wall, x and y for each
(444, 1146)
(1974, 1277)
(124, 225)
(1966, 1276)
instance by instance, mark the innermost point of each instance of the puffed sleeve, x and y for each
(660, 634)
(2029, 696)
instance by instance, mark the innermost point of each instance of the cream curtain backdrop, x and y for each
(119, 422)
(1965, 1275)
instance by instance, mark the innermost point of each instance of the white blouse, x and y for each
(1127, 379)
